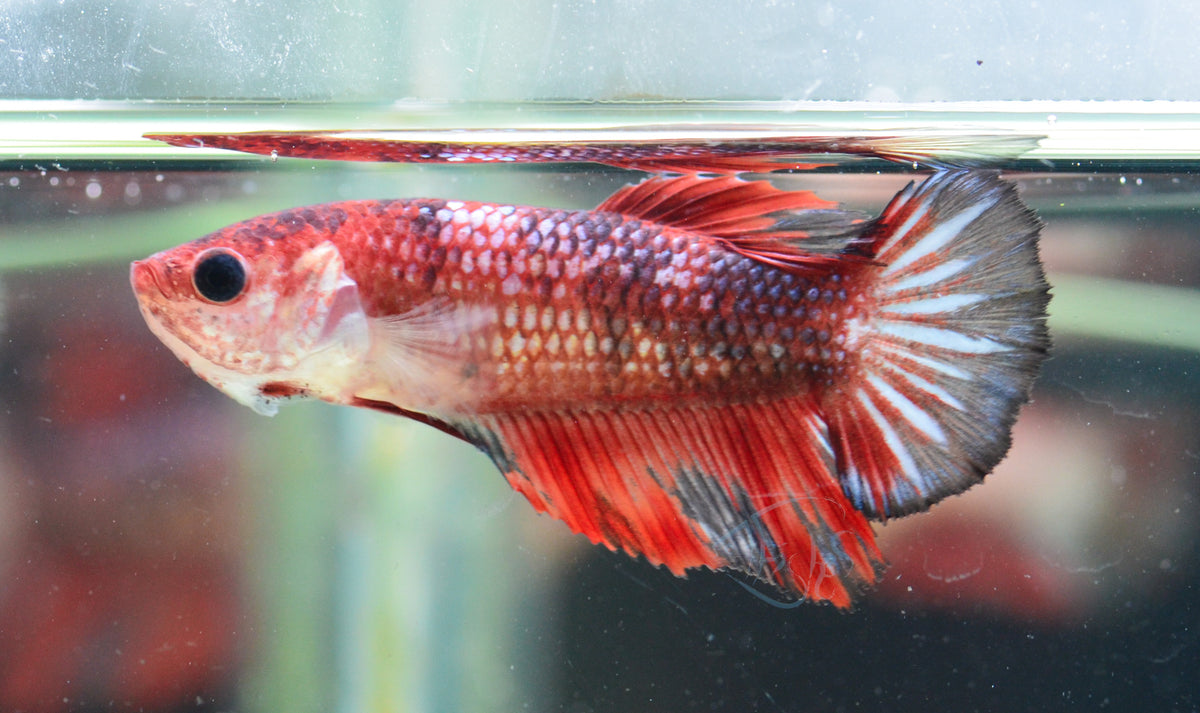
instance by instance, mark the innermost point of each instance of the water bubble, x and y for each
(274, 156)
(14, 181)
(93, 189)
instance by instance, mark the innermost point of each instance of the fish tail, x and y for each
(955, 342)
(948, 151)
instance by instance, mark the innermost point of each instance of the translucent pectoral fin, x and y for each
(425, 356)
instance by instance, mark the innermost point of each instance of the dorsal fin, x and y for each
(722, 206)
(793, 230)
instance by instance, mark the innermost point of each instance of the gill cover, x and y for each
(274, 332)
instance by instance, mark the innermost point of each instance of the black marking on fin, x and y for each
(733, 528)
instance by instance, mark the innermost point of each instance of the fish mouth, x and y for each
(145, 279)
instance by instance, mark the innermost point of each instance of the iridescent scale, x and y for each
(596, 305)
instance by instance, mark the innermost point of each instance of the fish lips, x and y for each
(147, 281)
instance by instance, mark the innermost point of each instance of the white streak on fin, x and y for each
(915, 415)
(942, 367)
(934, 305)
(891, 439)
(938, 273)
(939, 237)
(901, 232)
(927, 386)
(941, 338)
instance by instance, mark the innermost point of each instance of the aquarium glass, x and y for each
(164, 549)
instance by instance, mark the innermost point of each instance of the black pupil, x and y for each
(219, 277)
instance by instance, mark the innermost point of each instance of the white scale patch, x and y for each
(511, 315)
(511, 285)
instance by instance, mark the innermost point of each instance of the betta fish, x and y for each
(703, 371)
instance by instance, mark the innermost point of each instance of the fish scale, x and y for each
(598, 266)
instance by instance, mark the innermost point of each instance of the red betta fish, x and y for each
(707, 372)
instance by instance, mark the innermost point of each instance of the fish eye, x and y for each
(219, 276)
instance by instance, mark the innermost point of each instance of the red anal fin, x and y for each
(748, 487)
(752, 218)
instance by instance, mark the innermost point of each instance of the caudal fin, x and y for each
(955, 344)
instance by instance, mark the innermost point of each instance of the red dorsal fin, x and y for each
(749, 487)
(723, 205)
(753, 218)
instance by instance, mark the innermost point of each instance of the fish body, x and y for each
(708, 372)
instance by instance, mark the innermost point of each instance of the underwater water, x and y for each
(164, 549)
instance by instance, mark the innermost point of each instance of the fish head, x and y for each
(261, 317)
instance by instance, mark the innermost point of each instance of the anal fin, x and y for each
(749, 487)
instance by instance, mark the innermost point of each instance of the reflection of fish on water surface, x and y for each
(672, 149)
(708, 372)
